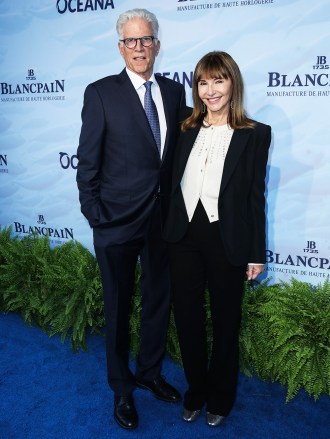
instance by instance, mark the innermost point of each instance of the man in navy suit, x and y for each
(123, 177)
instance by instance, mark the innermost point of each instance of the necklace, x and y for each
(208, 124)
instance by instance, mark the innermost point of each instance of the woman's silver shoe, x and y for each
(190, 415)
(214, 420)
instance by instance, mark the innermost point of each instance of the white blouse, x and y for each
(203, 172)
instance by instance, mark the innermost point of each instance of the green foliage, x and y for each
(76, 301)
(58, 289)
(135, 314)
(22, 275)
(284, 336)
(172, 345)
(5, 241)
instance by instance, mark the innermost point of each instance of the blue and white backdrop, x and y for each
(50, 50)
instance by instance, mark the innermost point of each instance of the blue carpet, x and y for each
(49, 392)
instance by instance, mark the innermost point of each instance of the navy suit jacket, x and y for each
(119, 169)
(241, 202)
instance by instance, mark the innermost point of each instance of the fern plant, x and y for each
(74, 303)
(21, 276)
(172, 344)
(58, 289)
(135, 314)
(5, 242)
(285, 335)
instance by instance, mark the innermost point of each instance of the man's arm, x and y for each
(90, 154)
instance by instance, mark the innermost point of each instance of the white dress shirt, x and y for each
(138, 84)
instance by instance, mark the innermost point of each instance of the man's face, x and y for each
(140, 59)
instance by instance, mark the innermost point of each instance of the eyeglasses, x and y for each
(131, 43)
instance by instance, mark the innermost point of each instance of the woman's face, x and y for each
(216, 94)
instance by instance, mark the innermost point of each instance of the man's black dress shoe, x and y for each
(125, 413)
(160, 389)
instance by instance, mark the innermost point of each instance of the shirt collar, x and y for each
(137, 81)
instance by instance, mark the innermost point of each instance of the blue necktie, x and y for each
(151, 112)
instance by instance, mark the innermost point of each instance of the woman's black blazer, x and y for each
(241, 202)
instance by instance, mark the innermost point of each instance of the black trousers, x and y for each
(117, 265)
(197, 261)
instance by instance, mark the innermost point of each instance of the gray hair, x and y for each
(137, 13)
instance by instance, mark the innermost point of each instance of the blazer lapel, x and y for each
(185, 144)
(167, 108)
(236, 147)
(136, 109)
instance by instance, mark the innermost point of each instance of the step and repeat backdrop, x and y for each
(50, 50)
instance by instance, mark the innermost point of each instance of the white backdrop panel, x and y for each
(50, 50)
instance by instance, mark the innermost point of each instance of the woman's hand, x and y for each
(253, 271)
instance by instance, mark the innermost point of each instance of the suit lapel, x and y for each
(184, 146)
(135, 108)
(236, 147)
(187, 145)
(167, 108)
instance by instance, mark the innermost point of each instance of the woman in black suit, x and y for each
(216, 230)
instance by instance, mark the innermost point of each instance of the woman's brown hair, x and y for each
(219, 65)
